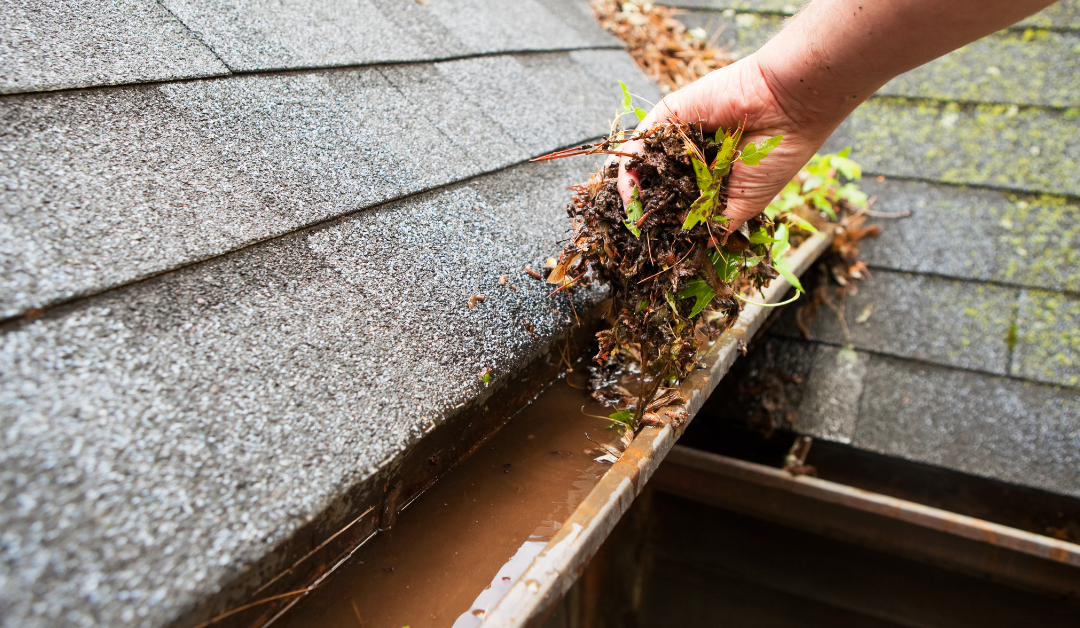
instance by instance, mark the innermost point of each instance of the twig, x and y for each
(613, 452)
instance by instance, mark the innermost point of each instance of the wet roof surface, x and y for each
(969, 355)
(256, 286)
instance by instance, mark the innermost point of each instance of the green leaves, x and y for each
(703, 174)
(781, 262)
(727, 266)
(813, 182)
(722, 164)
(709, 184)
(711, 178)
(801, 223)
(781, 245)
(752, 154)
(846, 167)
(700, 210)
(852, 194)
(787, 271)
(634, 212)
(761, 237)
(701, 291)
(627, 101)
(820, 189)
(622, 417)
(628, 104)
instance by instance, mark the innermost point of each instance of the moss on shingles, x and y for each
(1062, 15)
(980, 234)
(933, 319)
(1029, 149)
(988, 312)
(1048, 338)
(1033, 67)
(1039, 241)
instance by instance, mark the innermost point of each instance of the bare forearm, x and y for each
(836, 53)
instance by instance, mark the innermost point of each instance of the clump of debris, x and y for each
(677, 273)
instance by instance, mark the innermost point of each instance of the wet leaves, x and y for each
(673, 267)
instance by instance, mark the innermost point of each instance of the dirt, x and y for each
(673, 283)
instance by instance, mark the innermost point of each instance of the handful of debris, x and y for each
(678, 275)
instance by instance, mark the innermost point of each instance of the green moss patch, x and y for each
(1048, 338)
(1028, 149)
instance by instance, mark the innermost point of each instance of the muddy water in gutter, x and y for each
(458, 548)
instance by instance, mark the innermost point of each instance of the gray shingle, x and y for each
(1006, 67)
(105, 187)
(101, 187)
(1048, 338)
(740, 33)
(992, 427)
(49, 45)
(1012, 66)
(579, 16)
(979, 234)
(269, 34)
(295, 367)
(829, 407)
(512, 96)
(924, 318)
(1029, 149)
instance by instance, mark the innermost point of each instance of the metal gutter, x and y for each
(561, 562)
(957, 542)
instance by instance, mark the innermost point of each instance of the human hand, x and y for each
(725, 98)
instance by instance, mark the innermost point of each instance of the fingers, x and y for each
(726, 98)
(672, 107)
(628, 179)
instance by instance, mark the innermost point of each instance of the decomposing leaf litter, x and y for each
(677, 273)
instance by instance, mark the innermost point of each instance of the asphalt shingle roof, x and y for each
(50, 45)
(268, 35)
(256, 285)
(109, 186)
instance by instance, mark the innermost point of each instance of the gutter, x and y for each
(564, 558)
(957, 542)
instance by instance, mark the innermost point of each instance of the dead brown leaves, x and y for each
(659, 43)
(840, 269)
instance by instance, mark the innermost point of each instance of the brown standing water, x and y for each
(458, 548)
